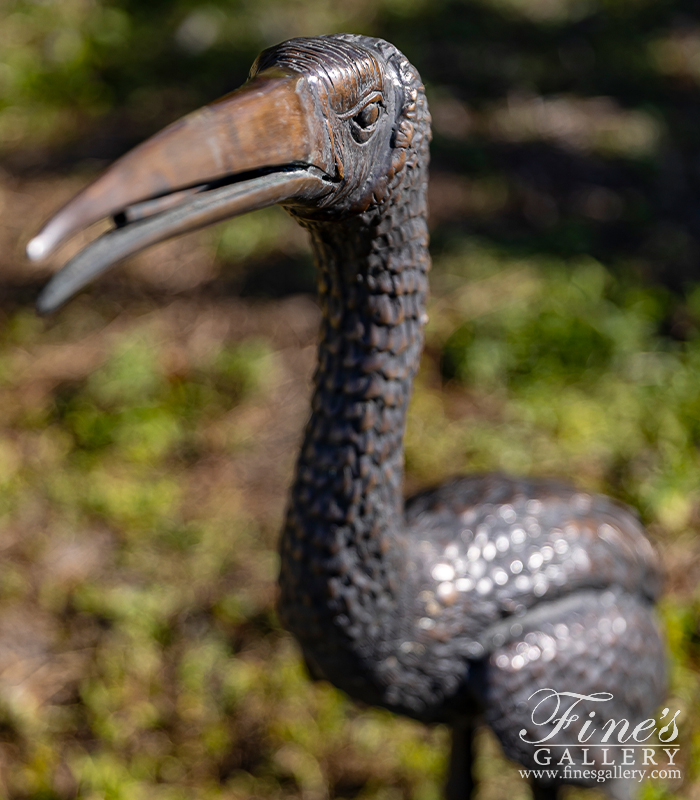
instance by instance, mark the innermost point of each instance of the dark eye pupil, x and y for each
(368, 116)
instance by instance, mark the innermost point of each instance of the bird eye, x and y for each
(364, 121)
(368, 116)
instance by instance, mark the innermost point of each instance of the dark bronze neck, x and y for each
(342, 548)
(372, 290)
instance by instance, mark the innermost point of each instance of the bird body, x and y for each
(462, 602)
(491, 580)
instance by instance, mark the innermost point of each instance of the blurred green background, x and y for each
(148, 430)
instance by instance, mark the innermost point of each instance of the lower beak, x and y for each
(261, 145)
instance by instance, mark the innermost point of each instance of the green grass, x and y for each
(145, 576)
(147, 441)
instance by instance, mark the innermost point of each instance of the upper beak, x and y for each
(263, 144)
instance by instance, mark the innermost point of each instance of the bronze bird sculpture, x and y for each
(464, 602)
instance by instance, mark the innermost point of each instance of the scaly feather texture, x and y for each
(471, 596)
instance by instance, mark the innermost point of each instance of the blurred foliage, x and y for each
(146, 441)
(63, 63)
(579, 358)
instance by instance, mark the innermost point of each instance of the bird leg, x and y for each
(460, 781)
(540, 792)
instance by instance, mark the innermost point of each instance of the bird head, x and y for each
(326, 126)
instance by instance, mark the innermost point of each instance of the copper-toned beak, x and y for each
(258, 146)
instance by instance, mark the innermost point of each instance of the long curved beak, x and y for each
(260, 145)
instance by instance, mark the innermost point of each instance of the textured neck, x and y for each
(372, 288)
(346, 506)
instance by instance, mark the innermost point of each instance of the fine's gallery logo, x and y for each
(576, 734)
